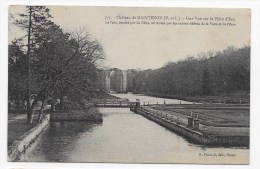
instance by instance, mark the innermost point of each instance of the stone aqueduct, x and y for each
(114, 80)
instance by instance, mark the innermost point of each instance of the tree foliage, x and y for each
(17, 63)
(61, 65)
(212, 73)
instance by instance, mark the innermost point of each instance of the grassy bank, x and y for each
(17, 125)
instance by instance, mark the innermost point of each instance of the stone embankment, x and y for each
(22, 143)
(19, 145)
(191, 131)
(92, 114)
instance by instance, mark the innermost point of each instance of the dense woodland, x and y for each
(219, 73)
(48, 64)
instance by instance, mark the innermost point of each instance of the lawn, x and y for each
(218, 119)
(17, 125)
(212, 115)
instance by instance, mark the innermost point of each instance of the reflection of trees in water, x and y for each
(66, 133)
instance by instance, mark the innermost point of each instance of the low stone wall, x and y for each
(77, 115)
(20, 145)
(195, 136)
(113, 104)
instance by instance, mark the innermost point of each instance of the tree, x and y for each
(34, 21)
(62, 65)
(210, 73)
(17, 68)
(206, 89)
(65, 65)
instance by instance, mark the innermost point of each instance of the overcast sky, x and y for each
(149, 47)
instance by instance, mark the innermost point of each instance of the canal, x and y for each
(123, 136)
(149, 99)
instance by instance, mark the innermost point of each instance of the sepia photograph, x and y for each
(156, 85)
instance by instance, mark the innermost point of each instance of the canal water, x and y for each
(123, 137)
(149, 99)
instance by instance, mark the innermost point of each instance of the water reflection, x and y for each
(57, 141)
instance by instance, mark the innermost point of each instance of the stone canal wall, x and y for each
(193, 135)
(92, 114)
(20, 145)
(112, 103)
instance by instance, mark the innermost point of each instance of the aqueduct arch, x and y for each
(114, 80)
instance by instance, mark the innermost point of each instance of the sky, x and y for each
(149, 46)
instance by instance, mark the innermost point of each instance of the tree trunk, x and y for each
(29, 112)
(61, 103)
(41, 111)
(30, 117)
(52, 106)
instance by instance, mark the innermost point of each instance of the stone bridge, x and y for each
(114, 80)
(113, 103)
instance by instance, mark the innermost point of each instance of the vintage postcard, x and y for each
(129, 84)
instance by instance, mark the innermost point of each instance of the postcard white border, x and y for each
(254, 5)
